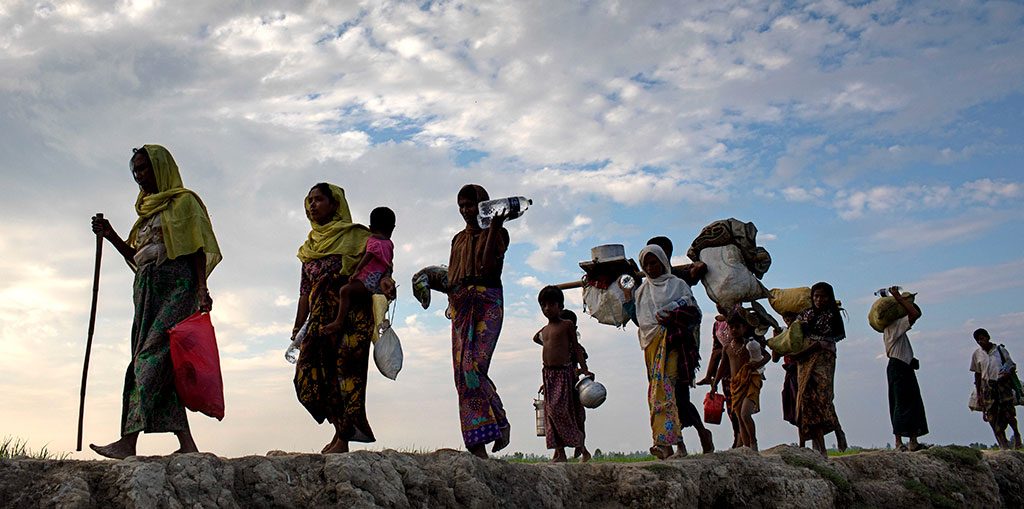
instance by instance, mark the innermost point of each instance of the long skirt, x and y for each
(815, 410)
(563, 412)
(476, 313)
(789, 391)
(330, 373)
(906, 408)
(999, 408)
(164, 295)
(662, 376)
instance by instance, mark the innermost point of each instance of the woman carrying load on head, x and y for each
(330, 373)
(475, 307)
(816, 369)
(173, 250)
(669, 320)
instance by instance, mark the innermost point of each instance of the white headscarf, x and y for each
(656, 294)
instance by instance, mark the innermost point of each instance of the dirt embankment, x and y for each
(781, 477)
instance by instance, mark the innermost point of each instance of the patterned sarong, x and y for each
(476, 313)
(563, 412)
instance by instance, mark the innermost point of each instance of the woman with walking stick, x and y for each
(173, 249)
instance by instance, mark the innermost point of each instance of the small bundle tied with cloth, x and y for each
(433, 277)
(885, 311)
(735, 262)
(603, 297)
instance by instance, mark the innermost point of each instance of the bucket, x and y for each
(714, 407)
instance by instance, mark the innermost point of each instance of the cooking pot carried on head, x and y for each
(608, 253)
(592, 393)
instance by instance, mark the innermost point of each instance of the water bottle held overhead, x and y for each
(511, 207)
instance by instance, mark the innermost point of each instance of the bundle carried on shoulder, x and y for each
(790, 341)
(790, 300)
(886, 310)
(605, 274)
(728, 281)
(735, 232)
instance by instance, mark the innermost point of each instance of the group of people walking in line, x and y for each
(172, 249)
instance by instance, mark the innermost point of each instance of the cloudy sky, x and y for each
(872, 143)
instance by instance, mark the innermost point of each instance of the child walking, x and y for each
(745, 378)
(373, 272)
(563, 411)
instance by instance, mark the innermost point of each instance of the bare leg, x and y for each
(559, 456)
(1000, 436)
(680, 451)
(479, 450)
(747, 411)
(337, 445)
(120, 449)
(1016, 434)
(334, 440)
(582, 451)
(899, 443)
(185, 442)
(712, 368)
(818, 444)
(841, 437)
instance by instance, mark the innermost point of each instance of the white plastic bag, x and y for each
(387, 351)
(728, 281)
(605, 305)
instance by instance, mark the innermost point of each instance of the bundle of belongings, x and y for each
(735, 262)
(885, 311)
(433, 277)
(606, 273)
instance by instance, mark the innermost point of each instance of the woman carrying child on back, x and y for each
(373, 273)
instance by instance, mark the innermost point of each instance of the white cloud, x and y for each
(855, 204)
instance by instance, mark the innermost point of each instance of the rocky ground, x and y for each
(780, 477)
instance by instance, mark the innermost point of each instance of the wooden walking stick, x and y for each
(92, 327)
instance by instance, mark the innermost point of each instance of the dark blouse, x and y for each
(467, 266)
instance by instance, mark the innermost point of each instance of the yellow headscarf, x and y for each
(339, 236)
(184, 220)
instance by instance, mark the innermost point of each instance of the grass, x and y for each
(956, 455)
(936, 499)
(836, 453)
(826, 472)
(12, 448)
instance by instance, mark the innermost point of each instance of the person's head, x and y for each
(741, 323)
(982, 337)
(823, 296)
(382, 221)
(469, 199)
(567, 314)
(664, 243)
(654, 261)
(788, 318)
(321, 204)
(551, 301)
(142, 171)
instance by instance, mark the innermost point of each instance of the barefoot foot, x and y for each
(118, 450)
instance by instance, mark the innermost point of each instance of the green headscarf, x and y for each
(184, 220)
(339, 236)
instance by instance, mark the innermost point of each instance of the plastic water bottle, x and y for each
(754, 349)
(512, 208)
(884, 292)
(292, 354)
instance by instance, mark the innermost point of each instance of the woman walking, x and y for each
(330, 373)
(816, 369)
(173, 250)
(475, 307)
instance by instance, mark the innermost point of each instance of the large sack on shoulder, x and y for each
(790, 341)
(728, 280)
(605, 305)
(790, 300)
(885, 311)
(432, 277)
(733, 231)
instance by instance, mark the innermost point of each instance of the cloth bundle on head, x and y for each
(185, 223)
(656, 294)
(339, 236)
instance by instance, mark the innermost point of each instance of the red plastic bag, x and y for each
(197, 365)
(714, 406)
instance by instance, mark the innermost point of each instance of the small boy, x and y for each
(563, 412)
(373, 272)
(745, 379)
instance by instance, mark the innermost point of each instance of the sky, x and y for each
(872, 143)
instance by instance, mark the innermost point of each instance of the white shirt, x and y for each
(988, 364)
(897, 344)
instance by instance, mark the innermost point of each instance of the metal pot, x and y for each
(592, 393)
